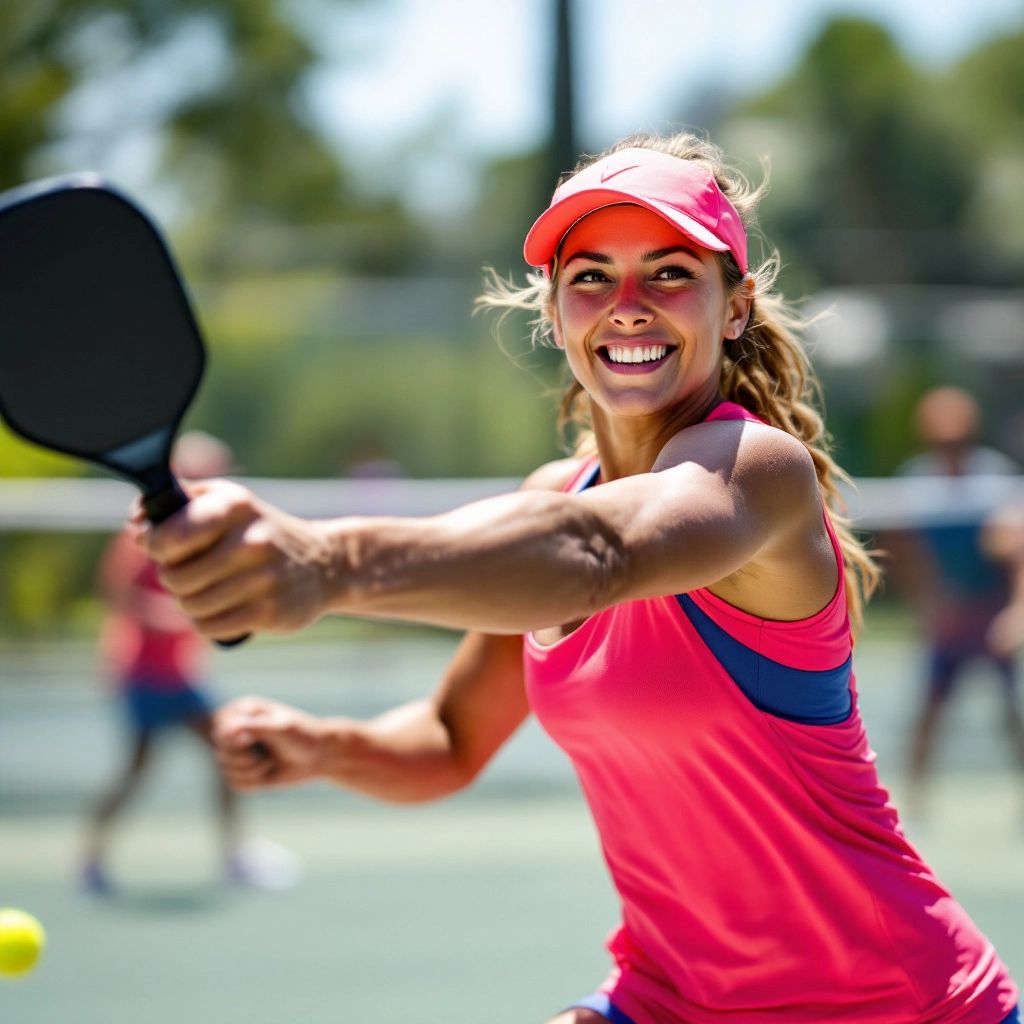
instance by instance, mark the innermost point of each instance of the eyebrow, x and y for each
(647, 257)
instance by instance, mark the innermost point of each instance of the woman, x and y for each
(673, 606)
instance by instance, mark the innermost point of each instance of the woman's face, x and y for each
(642, 311)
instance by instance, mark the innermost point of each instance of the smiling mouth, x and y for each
(635, 355)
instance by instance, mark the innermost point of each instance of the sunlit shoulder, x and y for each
(769, 465)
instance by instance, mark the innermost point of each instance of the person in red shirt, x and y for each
(158, 662)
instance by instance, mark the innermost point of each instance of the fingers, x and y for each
(241, 621)
(237, 565)
(211, 590)
(247, 760)
(215, 509)
(223, 594)
(261, 743)
(249, 766)
(240, 716)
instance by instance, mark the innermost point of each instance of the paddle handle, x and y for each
(163, 504)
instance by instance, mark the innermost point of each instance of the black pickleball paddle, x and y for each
(100, 354)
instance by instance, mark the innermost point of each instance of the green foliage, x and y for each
(885, 179)
(18, 458)
(34, 78)
(269, 161)
(990, 81)
(984, 108)
(47, 578)
(295, 399)
(245, 127)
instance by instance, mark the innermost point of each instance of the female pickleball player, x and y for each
(674, 603)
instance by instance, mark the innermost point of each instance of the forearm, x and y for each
(403, 756)
(505, 565)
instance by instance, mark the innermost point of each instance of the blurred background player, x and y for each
(158, 663)
(954, 582)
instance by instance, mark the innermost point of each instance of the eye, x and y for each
(674, 273)
(590, 276)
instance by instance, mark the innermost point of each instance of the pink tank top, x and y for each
(762, 870)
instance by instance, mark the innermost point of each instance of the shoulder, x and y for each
(555, 475)
(992, 461)
(744, 450)
(750, 469)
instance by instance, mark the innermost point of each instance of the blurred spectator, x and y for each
(158, 662)
(954, 584)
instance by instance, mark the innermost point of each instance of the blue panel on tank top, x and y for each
(799, 695)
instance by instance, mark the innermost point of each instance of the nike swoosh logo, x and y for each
(606, 175)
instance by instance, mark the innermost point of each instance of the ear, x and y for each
(738, 311)
(556, 326)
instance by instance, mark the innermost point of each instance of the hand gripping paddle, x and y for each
(100, 354)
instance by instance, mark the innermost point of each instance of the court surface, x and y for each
(490, 906)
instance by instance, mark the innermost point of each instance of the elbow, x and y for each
(605, 567)
(449, 776)
(419, 795)
(418, 788)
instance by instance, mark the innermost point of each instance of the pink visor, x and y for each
(683, 192)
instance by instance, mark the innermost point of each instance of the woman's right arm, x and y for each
(416, 752)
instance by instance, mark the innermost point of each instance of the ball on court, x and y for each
(21, 941)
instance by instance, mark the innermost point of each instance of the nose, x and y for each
(628, 308)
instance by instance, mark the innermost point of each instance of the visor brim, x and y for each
(551, 227)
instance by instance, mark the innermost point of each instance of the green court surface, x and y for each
(490, 906)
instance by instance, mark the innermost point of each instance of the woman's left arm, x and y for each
(719, 496)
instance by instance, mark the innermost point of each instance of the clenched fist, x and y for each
(263, 743)
(237, 564)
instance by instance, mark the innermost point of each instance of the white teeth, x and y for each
(644, 354)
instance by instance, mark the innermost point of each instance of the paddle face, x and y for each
(100, 354)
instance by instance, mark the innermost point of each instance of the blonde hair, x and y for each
(765, 370)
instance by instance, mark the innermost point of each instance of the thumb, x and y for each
(239, 734)
(256, 738)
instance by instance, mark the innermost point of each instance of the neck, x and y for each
(630, 445)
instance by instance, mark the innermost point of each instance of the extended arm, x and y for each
(416, 752)
(721, 495)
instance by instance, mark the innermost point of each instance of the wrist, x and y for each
(335, 738)
(343, 564)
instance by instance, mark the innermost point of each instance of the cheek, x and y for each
(579, 309)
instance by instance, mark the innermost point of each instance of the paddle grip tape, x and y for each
(161, 506)
(165, 503)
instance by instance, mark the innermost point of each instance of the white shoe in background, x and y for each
(263, 864)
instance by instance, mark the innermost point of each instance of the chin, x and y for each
(635, 407)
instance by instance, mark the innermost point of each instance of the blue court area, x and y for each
(489, 906)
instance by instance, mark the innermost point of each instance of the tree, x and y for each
(242, 122)
(885, 196)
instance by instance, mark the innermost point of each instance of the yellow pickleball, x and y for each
(21, 941)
